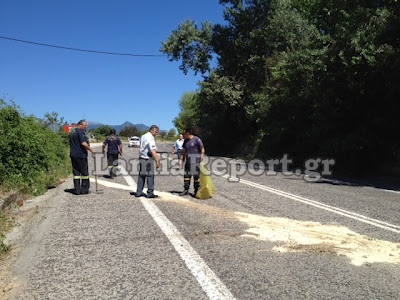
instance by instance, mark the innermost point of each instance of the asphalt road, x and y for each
(264, 237)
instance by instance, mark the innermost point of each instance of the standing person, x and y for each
(193, 152)
(178, 146)
(78, 152)
(147, 155)
(114, 148)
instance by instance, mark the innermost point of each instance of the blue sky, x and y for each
(103, 88)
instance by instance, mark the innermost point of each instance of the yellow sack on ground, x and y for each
(206, 189)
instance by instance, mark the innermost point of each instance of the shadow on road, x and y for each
(386, 183)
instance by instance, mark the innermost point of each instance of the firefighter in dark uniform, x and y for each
(193, 153)
(114, 149)
(78, 152)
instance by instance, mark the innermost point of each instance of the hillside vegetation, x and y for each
(32, 158)
(310, 78)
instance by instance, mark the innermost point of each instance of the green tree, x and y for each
(53, 121)
(188, 116)
(190, 44)
(333, 86)
(171, 133)
(128, 131)
(304, 77)
(103, 130)
(163, 134)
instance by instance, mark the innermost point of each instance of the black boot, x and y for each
(184, 193)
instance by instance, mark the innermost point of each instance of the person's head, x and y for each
(82, 124)
(154, 130)
(180, 136)
(187, 133)
(112, 131)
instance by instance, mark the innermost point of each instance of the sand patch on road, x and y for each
(303, 236)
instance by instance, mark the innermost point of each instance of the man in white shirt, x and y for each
(147, 155)
(178, 146)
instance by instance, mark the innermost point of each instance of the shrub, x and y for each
(32, 158)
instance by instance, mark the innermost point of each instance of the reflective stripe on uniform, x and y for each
(85, 177)
(77, 177)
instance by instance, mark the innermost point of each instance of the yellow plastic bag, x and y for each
(206, 189)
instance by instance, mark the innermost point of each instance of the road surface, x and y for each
(263, 237)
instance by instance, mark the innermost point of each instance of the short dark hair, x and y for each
(81, 122)
(112, 131)
(188, 130)
(154, 127)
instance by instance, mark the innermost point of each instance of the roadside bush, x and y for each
(32, 158)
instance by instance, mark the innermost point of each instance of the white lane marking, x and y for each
(112, 184)
(211, 284)
(336, 210)
(128, 178)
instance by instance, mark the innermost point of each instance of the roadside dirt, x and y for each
(26, 218)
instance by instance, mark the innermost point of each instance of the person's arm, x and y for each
(155, 156)
(87, 147)
(182, 158)
(82, 139)
(203, 151)
(174, 147)
(105, 144)
(120, 149)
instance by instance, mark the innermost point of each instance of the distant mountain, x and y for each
(94, 125)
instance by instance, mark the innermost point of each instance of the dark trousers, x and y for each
(179, 153)
(112, 162)
(146, 172)
(80, 169)
(192, 169)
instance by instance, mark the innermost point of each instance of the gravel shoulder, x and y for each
(30, 223)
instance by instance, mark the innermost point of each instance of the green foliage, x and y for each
(32, 158)
(103, 131)
(188, 115)
(53, 119)
(5, 225)
(190, 44)
(172, 133)
(305, 77)
(164, 136)
(128, 131)
(3, 247)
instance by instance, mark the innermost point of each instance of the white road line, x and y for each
(336, 210)
(128, 178)
(211, 284)
(112, 184)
